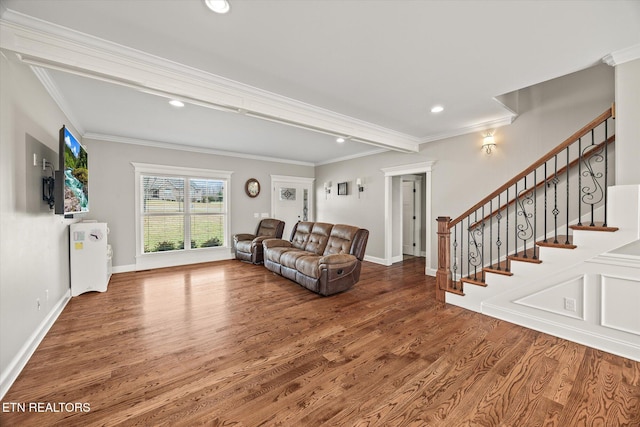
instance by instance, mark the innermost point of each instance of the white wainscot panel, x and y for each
(565, 299)
(620, 308)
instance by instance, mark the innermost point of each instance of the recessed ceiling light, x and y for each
(176, 103)
(218, 6)
(437, 109)
(340, 140)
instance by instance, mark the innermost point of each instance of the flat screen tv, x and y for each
(72, 176)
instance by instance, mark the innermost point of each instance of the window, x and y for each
(181, 210)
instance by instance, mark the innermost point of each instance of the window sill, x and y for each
(174, 258)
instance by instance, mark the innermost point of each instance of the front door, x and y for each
(291, 200)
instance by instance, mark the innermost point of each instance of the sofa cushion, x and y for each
(269, 228)
(243, 245)
(275, 253)
(340, 239)
(309, 265)
(318, 238)
(289, 258)
(301, 236)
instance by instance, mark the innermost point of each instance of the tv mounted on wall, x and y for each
(72, 176)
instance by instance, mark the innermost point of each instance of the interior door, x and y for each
(408, 218)
(291, 201)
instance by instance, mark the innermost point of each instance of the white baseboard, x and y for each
(20, 361)
(124, 268)
(618, 347)
(376, 260)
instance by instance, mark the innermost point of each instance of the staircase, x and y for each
(531, 252)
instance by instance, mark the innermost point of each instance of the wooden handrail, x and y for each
(560, 171)
(567, 142)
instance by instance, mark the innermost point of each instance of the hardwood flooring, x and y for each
(231, 344)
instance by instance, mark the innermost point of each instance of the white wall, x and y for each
(34, 254)
(462, 174)
(628, 122)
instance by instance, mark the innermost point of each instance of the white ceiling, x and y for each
(378, 62)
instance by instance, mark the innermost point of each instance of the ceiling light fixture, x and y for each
(437, 109)
(218, 6)
(176, 103)
(340, 140)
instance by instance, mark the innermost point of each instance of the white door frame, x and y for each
(389, 173)
(284, 179)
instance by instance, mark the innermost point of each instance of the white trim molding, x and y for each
(478, 127)
(623, 55)
(43, 44)
(146, 261)
(408, 169)
(188, 148)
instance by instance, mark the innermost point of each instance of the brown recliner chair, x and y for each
(248, 247)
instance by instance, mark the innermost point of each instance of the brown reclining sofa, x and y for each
(324, 258)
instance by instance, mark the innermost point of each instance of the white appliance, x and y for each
(90, 257)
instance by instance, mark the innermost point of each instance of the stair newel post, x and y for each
(443, 275)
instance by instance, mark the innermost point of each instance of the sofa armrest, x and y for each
(274, 243)
(359, 243)
(337, 260)
(245, 236)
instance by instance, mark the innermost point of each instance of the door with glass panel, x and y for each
(291, 200)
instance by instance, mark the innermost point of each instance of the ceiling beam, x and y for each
(43, 44)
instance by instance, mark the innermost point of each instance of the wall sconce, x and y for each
(359, 185)
(488, 144)
(327, 189)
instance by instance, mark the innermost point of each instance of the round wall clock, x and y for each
(252, 187)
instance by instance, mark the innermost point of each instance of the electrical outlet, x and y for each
(570, 304)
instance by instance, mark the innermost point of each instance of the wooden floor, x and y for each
(231, 344)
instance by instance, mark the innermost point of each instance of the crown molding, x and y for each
(57, 96)
(623, 55)
(47, 45)
(188, 148)
(351, 157)
(478, 127)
